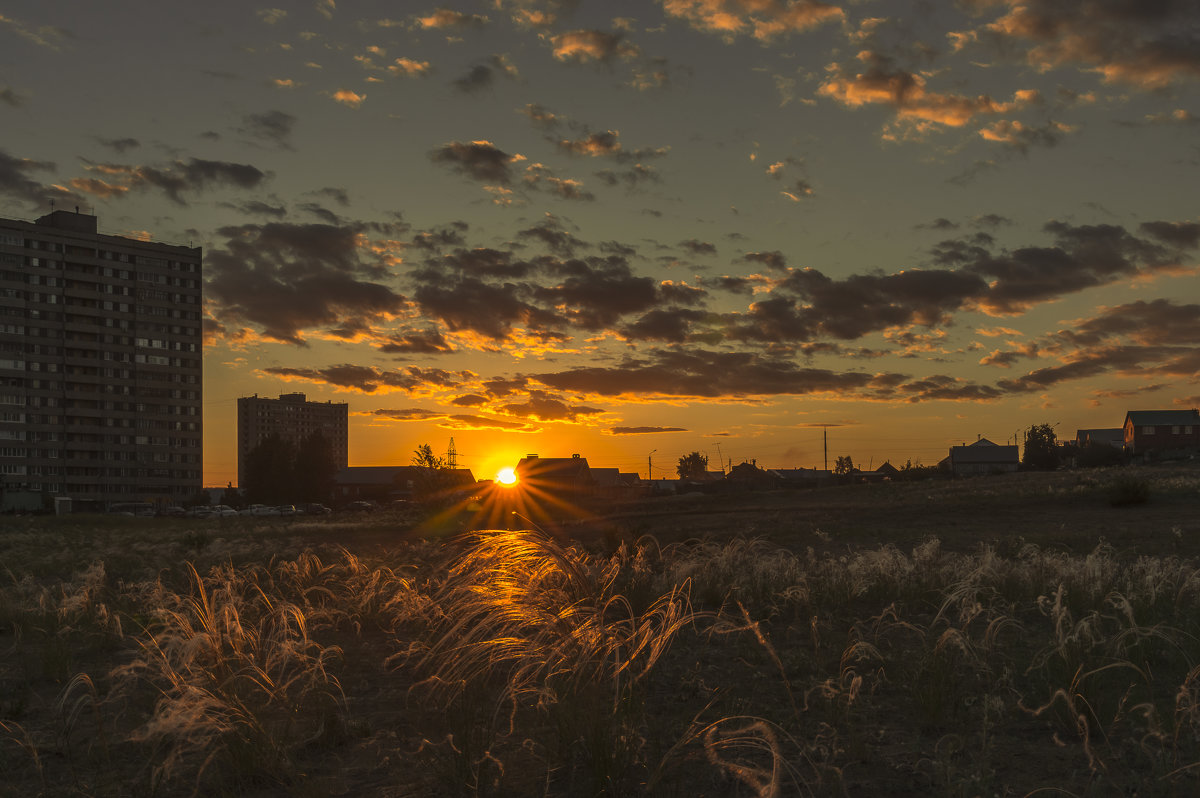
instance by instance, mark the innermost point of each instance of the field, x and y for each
(1029, 634)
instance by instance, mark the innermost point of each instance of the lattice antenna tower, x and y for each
(451, 455)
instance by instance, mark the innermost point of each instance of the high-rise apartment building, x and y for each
(292, 418)
(100, 366)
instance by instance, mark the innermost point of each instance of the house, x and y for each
(561, 477)
(1114, 437)
(614, 483)
(981, 457)
(1158, 432)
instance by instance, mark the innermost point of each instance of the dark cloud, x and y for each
(16, 180)
(482, 75)
(542, 177)
(1158, 322)
(179, 177)
(479, 160)
(367, 379)
(697, 247)
(338, 195)
(672, 325)
(551, 233)
(424, 342)
(595, 292)
(541, 116)
(772, 260)
(286, 278)
(631, 178)
(608, 144)
(11, 98)
(407, 414)
(446, 18)
(643, 430)
(706, 374)
(469, 400)
(542, 406)
(1147, 44)
(272, 127)
(449, 236)
(321, 212)
(257, 208)
(1185, 235)
(120, 145)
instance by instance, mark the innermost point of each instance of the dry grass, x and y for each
(230, 659)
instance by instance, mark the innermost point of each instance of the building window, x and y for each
(1147, 430)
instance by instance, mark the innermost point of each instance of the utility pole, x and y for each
(451, 455)
(720, 458)
(650, 465)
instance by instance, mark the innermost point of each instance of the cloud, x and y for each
(424, 342)
(272, 127)
(47, 36)
(287, 278)
(762, 19)
(120, 145)
(1146, 45)
(885, 84)
(348, 98)
(697, 247)
(445, 18)
(580, 46)
(16, 180)
(540, 176)
(698, 373)
(257, 208)
(176, 178)
(11, 97)
(543, 406)
(482, 76)
(271, 16)
(325, 8)
(608, 143)
(479, 160)
(368, 379)
(1021, 137)
(409, 67)
(644, 430)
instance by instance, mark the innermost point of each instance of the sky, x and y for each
(634, 230)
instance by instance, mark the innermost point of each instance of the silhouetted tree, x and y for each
(1041, 448)
(844, 466)
(432, 476)
(692, 466)
(270, 471)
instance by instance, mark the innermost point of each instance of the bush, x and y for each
(1126, 491)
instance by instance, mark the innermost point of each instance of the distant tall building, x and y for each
(293, 419)
(100, 366)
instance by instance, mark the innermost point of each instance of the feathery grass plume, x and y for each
(530, 625)
(732, 751)
(17, 734)
(240, 680)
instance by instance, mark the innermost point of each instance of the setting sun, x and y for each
(506, 476)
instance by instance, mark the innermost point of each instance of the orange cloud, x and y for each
(348, 98)
(762, 19)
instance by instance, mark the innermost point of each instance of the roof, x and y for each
(562, 470)
(984, 451)
(1159, 418)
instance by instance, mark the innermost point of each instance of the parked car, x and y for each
(172, 512)
(199, 511)
(287, 509)
(222, 511)
(315, 508)
(259, 509)
(359, 507)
